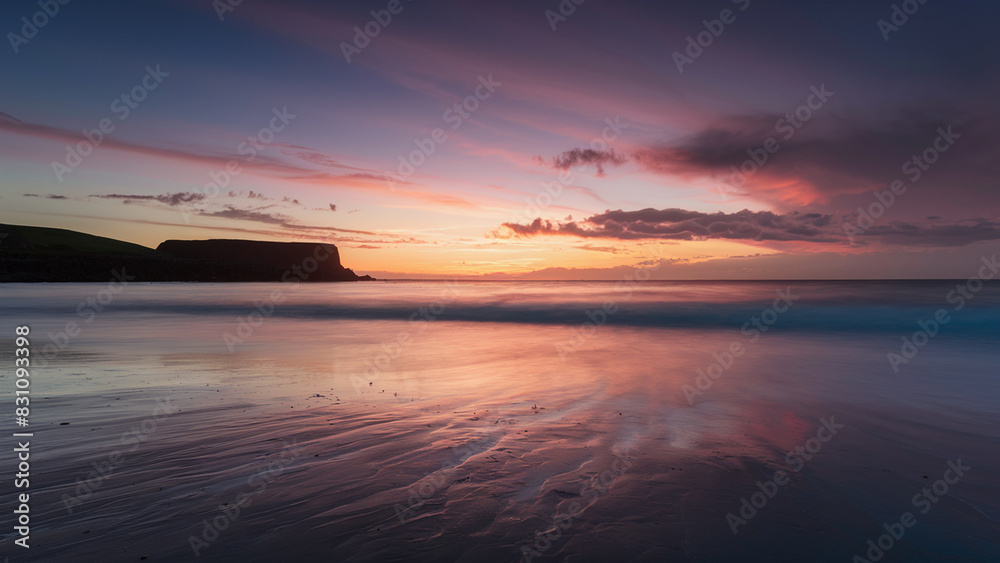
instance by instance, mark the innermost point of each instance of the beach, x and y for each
(511, 421)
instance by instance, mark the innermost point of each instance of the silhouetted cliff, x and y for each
(39, 254)
(303, 260)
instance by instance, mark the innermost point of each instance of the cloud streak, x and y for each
(359, 179)
(752, 226)
(171, 199)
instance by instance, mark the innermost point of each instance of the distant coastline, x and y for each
(41, 254)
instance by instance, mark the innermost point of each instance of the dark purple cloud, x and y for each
(834, 159)
(231, 212)
(680, 224)
(754, 226)
(172, 199)
(586, 157)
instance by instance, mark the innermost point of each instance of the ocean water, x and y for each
(510, 421)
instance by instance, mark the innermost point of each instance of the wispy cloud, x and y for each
(261, 163)
(358, 178)
(171, 199)
(231, 212)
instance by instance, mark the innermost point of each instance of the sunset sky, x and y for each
(574, 146)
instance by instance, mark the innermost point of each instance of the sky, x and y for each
(714, 139)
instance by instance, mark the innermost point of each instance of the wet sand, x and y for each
(463, 482)
(478, 443)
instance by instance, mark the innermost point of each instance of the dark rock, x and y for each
(35, 254)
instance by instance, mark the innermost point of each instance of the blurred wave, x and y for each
(816, 306)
